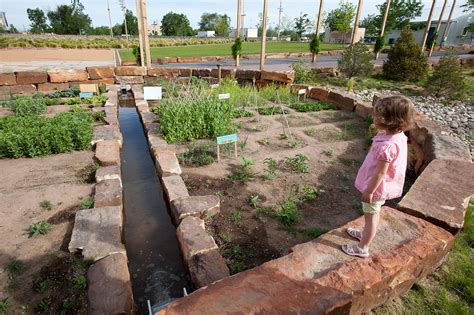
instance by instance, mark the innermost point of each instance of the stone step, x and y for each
(318, 278)
(441, 194)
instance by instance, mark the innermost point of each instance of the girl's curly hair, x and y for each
(397, 113)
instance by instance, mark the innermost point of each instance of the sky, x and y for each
(97, 9)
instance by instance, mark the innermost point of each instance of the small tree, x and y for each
(406, 61)
(447, 79)
(237, 48)
(315, 46)
(356, 61)
(379, 43)
(136, 52)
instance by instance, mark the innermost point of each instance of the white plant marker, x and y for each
(224, 96)
(152, 93)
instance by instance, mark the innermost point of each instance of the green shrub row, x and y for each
(311, 107)
(39, 136)
(24, 106)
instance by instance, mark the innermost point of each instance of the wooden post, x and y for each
(318, 25)
(264, 35)
(356, 23)
(428, 25)
(110, 20)
(448, 24)
(237, 33)
(145, 34)
(384, 23)
(438, 26)
(140, 32)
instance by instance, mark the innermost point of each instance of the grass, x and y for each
(14, 268)
(235, 258)
(4, 306)
(39, 228)
(87, 203)
(80, 283)
(249, 48)
(298, 163)
(312, 233)
(235, 216)
(272, 110)
(46, 205)
(450, 290)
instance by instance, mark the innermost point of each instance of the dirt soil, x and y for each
(336, 144)
(47, 271)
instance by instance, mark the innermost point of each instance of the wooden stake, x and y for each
(235, 150)
(428, 25)
(356, 23)
(140, 32)
(448, 25)
(237, 33)
(438, 26)
(218, 154)
(145, 34)
(384, 23)
(264, 35)
(318, 25)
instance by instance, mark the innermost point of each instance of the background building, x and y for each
(246, 33)
(343, 38)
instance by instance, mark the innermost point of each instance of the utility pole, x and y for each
(318, 24)
(438, 26)
(384, 23)
(428, 25)
(140, 32)
(237, 32)
(110, 20)
(356, 23)
(264, 34)
(243, 14)
(448, 24)
(145, 33)
(280, 11)
(124, 10)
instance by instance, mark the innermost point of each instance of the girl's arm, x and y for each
(380, 171)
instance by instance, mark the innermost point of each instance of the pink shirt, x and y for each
(390, 148)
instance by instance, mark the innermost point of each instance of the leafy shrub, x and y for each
(315, 44)
(243, 172)
(447, 79)
(288, 213)
(71, 92)
(356, 61)
(406, 61)
(197, 156)
(311, 107)
(431, 40)
(298, 164)
(277, 94)
(39, 136)
(87, 203)
(237, 47)
(39, 228)
(137, 53)
(274, 110)
(379, 43)
(72, 101)
(240, 113)
(27, 106)
(303, 74)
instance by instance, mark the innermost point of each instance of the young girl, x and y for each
(382, 174)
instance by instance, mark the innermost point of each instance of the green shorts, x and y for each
(372, 208)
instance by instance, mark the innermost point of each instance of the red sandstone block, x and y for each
(201, 73)
(76, 84)
(319, 94)
(96, 73)
(67, 75)
(247, 74)
(342, 101)
(31, 77)
(364, 109)
(52, 87)
(189, 59)
(130, 71)
(7, 79)
(163, 72)
(107, 81)
(318, 278)
(225, 73)
(285, 77)
(23, 89)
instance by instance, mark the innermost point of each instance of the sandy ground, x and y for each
(25, 184)
(15, 59)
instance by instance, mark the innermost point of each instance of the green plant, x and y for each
(348, 162)
(329, 152)
(235, 216)
(39, 228)
(284, 136)
(197, 156)
(94, 100)
(14, 268)
(379, 44)
(87, 203)
(311, 132)
(303, 74)
(350, 84)
(274, 110)
(447, 79)
(68, 306)
(38, 136)
(80, 283)
(237, 48)
(308, 193)
(42, 286)
(294, 144)
(315, 44)
(240, 113)
(236, 258)
(355, 61)
(4, 306)
(298, 163)
(51, 101)
(271, 167)
(243, 172)
(137, 53)
(99, 116)
(311, 107)
(71, 92)
(24, 106)
(42, 306)
(254, 200)
(312, 233)
(46, 205)
(264, 141)
(406, 61)
(288, 213)
(72, 101)
(431, 40)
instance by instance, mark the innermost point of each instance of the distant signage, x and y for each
(85, 94)
(227, 139)
(224, 96)
(152, 93)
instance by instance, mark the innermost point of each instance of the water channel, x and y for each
(155, 262)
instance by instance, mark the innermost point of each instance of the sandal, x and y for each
(355, 233)
(355, 250)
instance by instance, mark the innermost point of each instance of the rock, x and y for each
(319, 94)
(201, 73)
(108, 193)
(441, 194)
(112, 100)
(129, 79)
(193, 238)
(67, 75)
(78, 83)
(189, 59)
(174, 187)
(167, 163)
(166, 60)
(184, 72)
(7, 79)
(247, 74)
(107, 132)
(96, 73)
(130, 71)
(157, 144)
(206, 268)
(225, 73)
(441, 146)
(24, 89)
(342, 101)
(285, 77)
(153, 128)
(163, 72)
(148, 118)
(52, 87)
(109, 290)
(364, 109)
(107, 153)
(97, 233)
(318, 278)
(107, 172)
(199, 206)
(107, 81)
(31, 77)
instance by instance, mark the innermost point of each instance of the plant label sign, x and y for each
(85, 94)
(89, 88)
(152, 93)
(225, 140)
(302, 92)
(214, 86)
(224, 96)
